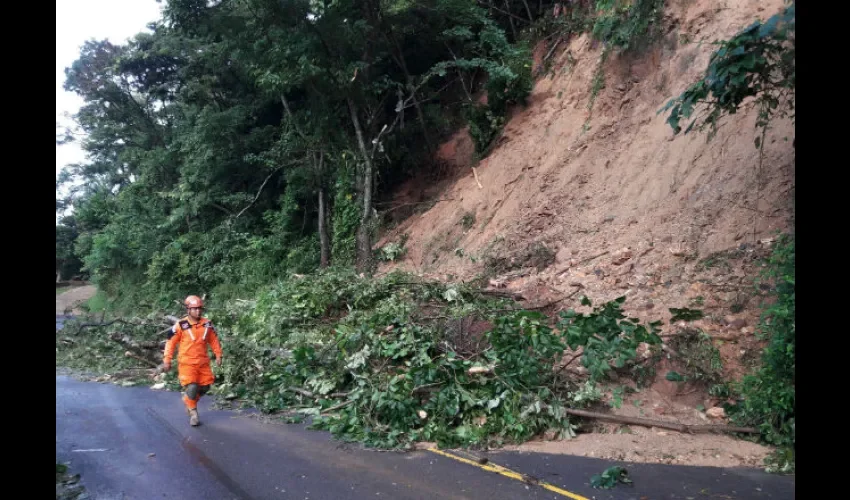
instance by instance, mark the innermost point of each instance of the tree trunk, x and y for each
(323, 230)
(420, 115)
(528, 11)
(305, 219)
(661, 424)
(511, 19)
(363, 238)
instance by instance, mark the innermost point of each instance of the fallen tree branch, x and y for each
(337, 407)
(305, 392)
(475, 173)
(592, 258)
(568, 363)
(83, 326)
(668, 350)
(645, 422)
(552, 50)
(422, 388)
(544, 306)
(499, 293)
(139, 350)
(131, 355)
(480, 370)
(298, 390)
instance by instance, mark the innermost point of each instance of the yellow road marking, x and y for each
(498, 469)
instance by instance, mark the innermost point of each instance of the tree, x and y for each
(68, 264)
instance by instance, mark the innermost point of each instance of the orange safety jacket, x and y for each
(192, 340)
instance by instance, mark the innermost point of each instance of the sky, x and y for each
(81, 20)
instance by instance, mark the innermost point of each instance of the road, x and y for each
(136, 443)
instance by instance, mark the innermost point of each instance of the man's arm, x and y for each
(212, 339)
(174, 339)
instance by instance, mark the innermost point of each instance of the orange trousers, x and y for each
(201, 375)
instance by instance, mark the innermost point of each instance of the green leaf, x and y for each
(610, 477)
(685, 314)
(674, 377)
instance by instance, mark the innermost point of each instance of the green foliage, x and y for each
(346, 213)
(209, 143)
(392, 252)
(627, 24)
(759, 62)
(68, 264)
(685, 314)
(68, 486)
(586, 395)
(536, 255)
(610, 477)
(511, 82)
(617, 398)
(467, 221)
(484, 125)
(394, 361)
(93, 349)
(769, 394)
(606, 336)
(702, 362)
(97, 303)
(387, 361)
(598, 82)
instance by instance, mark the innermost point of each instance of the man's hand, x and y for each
(218, 361)
(166, 366)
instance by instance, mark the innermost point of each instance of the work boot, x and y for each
(193, 417)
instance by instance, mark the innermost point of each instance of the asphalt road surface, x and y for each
(136, 443)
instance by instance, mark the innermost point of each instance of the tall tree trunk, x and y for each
(363, 238)
(317, 164)
(511, 19)
(419, 113)
(528, 11)
(324, 239)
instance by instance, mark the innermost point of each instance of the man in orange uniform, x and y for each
(191, 335)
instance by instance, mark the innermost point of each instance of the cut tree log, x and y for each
(645, 422)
